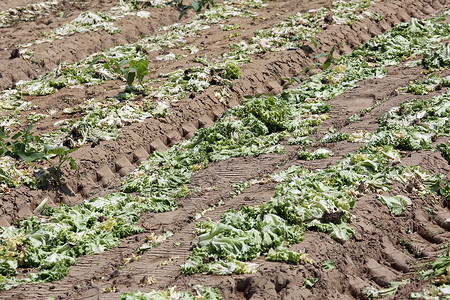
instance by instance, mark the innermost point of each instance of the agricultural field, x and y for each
(238, 149)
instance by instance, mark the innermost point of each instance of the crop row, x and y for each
(102, 120)
(27, 13)
(92, 21)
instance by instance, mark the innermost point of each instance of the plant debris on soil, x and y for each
(241, 149)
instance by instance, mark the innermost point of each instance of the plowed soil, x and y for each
(373, 257)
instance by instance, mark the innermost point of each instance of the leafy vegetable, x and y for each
(283, 254)
(396, 204)
(317, 154)
(309, 282)
(441, 264)
(231, 71)
(303, 141)
(432, 293)
(414, 125)
(373, 293)
(201, 292)
(328, 265)
(27, 13)
(334, 136)
(359, 136)
(432, 83)
(12, 176)
(438, 59)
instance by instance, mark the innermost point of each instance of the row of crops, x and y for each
(103, 119)
(304, 200)
(323, 200)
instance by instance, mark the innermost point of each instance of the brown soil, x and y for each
(48, 56)
(373, 257)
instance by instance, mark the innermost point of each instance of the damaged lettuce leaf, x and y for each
(11, 176)
(100, 121)
(152, 241)
(12, 100)
(432, 293)
(440, 269)
(439, 272)
(328, 265)
(432, 83)
(309, 282)
(200, 292)
(333, 135)
(414, 125)
(419, 181)
(374, 293)
(54, 240)
(317, 154)
(292, 257)
(27, 13)
(405, 41)
(341, 232)
(396, 204)
(438, 59)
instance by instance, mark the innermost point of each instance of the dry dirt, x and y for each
(373, 257)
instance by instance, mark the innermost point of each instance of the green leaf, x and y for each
(184, 11)
(309, 282)
(396, 204)
(16, 136)
(141, 69)
(8, 267)
(314, 41)
(197, 5)
(445, 150)
(320, 55)
(123, 63)
(328, 265)
(131, 74)
(373, 293)
(72, 164)
(30, 156)
(59, 151)
(441, 264)
(329, 60)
